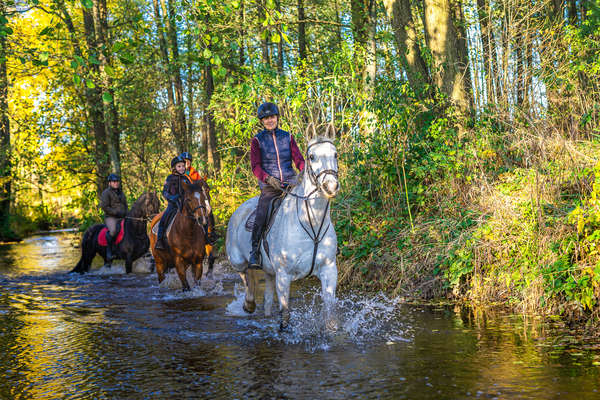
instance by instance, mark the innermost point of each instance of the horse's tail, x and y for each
(88, 249)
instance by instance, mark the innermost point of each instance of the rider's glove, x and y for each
(274, 182)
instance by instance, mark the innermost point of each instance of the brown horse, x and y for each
(186, 239)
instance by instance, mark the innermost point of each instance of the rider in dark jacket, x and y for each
(272, 152)
(173, 193)
(114, 204)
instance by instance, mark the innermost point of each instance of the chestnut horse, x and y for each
(186, 238)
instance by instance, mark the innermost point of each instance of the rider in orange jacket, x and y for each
(189, 170)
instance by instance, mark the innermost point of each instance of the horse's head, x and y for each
(196, 201)
(322, 160)
(146, 206)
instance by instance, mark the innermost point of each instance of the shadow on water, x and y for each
(112, 335)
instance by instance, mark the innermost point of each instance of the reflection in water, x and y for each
(111, 335)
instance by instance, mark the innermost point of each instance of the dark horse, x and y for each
(135, 239)
(186, 239)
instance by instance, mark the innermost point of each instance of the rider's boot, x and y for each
(161, 243)
(253, 261)
(211, 236)
(109, 247)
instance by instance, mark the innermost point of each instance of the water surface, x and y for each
(111, 335)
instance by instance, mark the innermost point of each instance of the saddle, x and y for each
(102, 235)
(155, 227)
(273, 208)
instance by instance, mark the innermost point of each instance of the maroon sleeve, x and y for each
(296, 155)
(255, 160)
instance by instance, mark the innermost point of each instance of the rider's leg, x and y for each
(209, 229)
(266, 195)
(161, 243)
(111, 224)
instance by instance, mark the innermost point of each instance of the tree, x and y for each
(445, 36)
(407, 45)
(5, 148)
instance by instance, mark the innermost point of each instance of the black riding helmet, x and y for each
(176, 160)
(114, 178)
(185, 156)
(266, 110)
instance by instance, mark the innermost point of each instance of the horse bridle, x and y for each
(319, 235)
(193, 211)
(314, 177)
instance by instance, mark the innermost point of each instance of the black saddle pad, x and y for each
(273, 207)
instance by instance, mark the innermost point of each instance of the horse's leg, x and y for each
(328, 277)
(249, 286)
(180, 266)
(211, 261)
(282, 286)
(197, 268)
(128, 264)
(269, 292)
(160, 268)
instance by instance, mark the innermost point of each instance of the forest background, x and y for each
(467, 129)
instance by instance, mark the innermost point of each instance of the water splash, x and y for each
(360, 321)
(235, 308)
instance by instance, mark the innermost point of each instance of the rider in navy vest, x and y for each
(272, 152)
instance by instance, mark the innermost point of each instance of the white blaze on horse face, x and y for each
(206, 202)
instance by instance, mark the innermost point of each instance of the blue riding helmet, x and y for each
(114, 178)
(266, 110)
(186, 156)
(176, 160)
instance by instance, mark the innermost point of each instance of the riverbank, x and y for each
(526, 239)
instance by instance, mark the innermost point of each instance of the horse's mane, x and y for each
(197, 186)
(136, 209)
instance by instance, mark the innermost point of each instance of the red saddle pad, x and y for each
(102, 235)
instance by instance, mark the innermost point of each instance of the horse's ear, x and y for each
(184, 184)
(330, 131)
(311, 132)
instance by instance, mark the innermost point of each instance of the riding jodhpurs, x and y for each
(267, 194)
(165, 220)
(114, 226)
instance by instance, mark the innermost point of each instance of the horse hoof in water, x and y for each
(285, 320)
(332, 325)
(249, 306)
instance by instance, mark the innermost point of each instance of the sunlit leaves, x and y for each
(106, 97)
(87, 3)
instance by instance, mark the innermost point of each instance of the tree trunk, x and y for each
(93, 96)
(162, 43)
(407, 45)
(5, 151)
(301, 31)
(279, 44)
(264, 41)
(485, 27)
(182, 140)
(448, 50)
(363, 13)
(242, 58)
(338, 30)
(190, 88)
(211, 135)
(111, 116)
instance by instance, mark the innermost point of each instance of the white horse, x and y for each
(302, 239)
